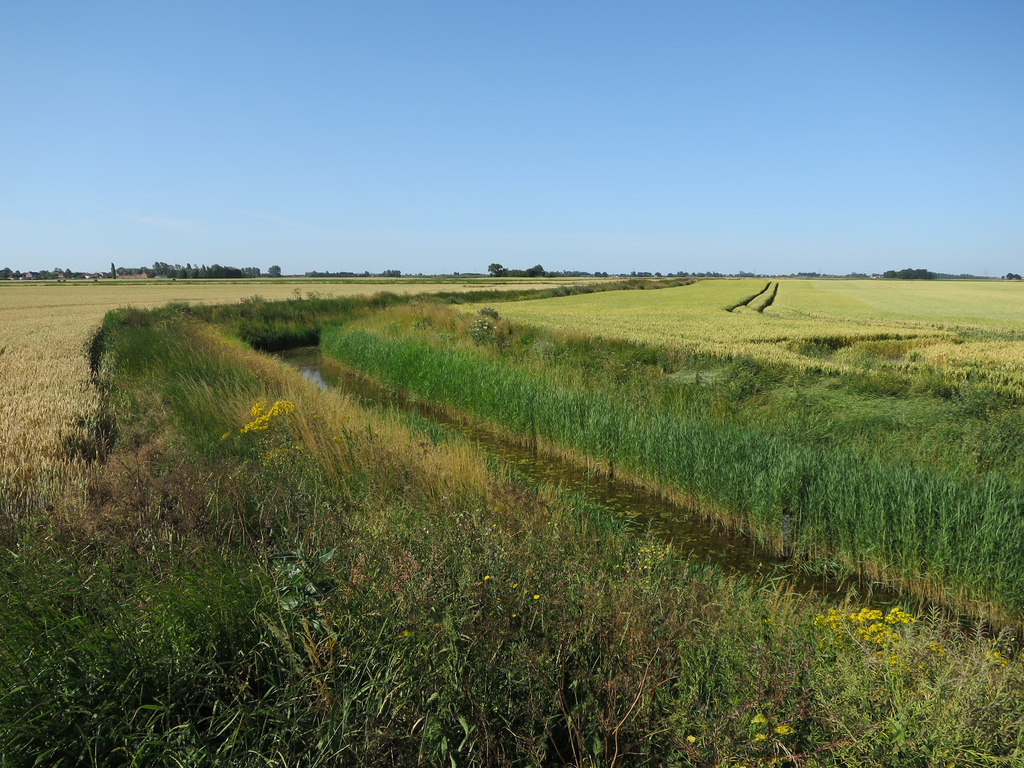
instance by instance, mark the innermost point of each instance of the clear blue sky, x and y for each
(821, 135)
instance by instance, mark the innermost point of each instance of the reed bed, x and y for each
(946, 532)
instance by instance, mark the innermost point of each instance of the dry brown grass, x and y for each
(46, 397)
(332, 427)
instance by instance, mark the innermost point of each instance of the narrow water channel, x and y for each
(684, 528)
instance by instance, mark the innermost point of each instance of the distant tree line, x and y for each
(497, 270)
(43, 274)
(367, 273)
(198, 272)
(215, 271)
(159, 269)
(909, 274)
(316, 273)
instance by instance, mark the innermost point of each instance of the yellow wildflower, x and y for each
(261, 418)
(996, 658)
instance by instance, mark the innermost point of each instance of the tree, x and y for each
(274, 271)
(113, 271)
(909, 274)
(497, 270)
(536, 271)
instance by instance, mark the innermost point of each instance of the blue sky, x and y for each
(441, 137)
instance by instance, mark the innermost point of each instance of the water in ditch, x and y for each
(683, 527)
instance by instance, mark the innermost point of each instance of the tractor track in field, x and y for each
(771, 286)
(769, 298)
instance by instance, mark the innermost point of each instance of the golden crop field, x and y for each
(970, 331)
(45, 394)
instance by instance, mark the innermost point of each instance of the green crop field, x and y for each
(956, 304)
(965, 330)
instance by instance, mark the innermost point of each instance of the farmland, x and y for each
(47, 402)
(223, 564)
(968, 331)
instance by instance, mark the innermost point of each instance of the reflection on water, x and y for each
(683, 527)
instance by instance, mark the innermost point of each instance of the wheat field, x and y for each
(962, 330)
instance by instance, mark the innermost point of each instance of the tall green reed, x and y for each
(944, 525)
